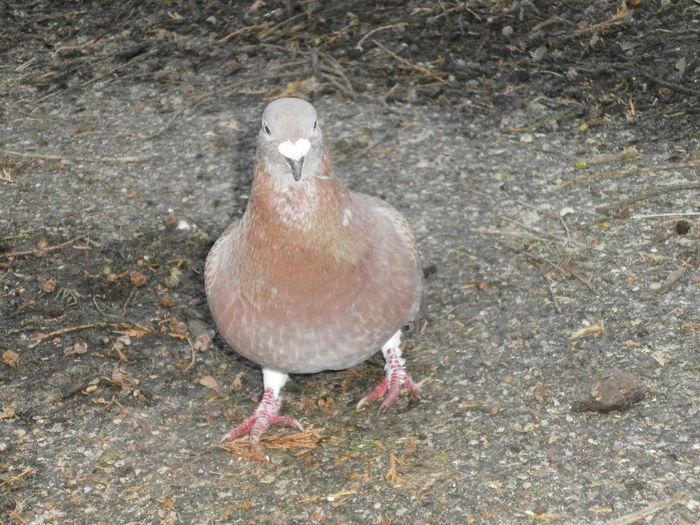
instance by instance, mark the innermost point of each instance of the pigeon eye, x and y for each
(266, 129)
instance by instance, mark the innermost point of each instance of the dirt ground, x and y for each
(546, 155)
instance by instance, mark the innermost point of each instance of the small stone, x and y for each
(682, 227)
(614, 391)
(171, 221)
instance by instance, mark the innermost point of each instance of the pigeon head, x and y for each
(290, 140)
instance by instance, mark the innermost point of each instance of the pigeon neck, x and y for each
(315, 202)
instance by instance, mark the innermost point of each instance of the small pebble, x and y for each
(682, 227)
(171, 221)
(617, 390)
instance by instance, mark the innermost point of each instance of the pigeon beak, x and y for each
(295, 166)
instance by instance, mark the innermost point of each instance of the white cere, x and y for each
(294, 151)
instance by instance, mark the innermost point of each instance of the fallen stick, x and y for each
(647, 511)
(68, 157)
(646, 195)
(672, 86)
(622, 173)
(37, 339)
(410, 64)
(37, 251)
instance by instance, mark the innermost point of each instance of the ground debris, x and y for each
(613, 391)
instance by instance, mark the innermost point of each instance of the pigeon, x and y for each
(313, 277)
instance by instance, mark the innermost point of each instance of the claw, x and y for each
(377, 392)
(396, 377)
(265, 415)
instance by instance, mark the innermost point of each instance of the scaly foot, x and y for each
(396, 377)
(267, 412)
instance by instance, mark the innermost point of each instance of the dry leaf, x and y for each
(49, 286)
(135, 331)
(10, 358)
(138, 279)
(178, 330)
(595, 329)
(167, 302)
(10, 412)
(211, 383)
(167, 503)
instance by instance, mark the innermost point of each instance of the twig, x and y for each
(329, 66)
(346, 90)
(672, 279)
(176, 116)
(672, 85)
(538, 232)
(622, 173)
(239, 31)
(229, 90)
(103, 75)
(325, 66)
(551, 20)
(462, 6)
(101, 312)
(646, 195)
(556, 266)
(494, 231)
(75, 159)
(565, 270)
(38, 251)
(552, 297)
(566, 229)
(16, 516)
(305, 440)
(241, 452)
(38, 338)
(193, 358)
(376, 30)
(647, 511)
(661, 215)
(131, 295)
(410, 64)
(19, 476)
(273, 29)
(630, 153)
(392, 475)
(620, 17)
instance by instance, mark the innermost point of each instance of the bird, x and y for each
(313, 277)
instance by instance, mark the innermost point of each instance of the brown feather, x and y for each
(313, 277)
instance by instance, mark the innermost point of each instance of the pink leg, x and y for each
(267, 412)
(396, 377)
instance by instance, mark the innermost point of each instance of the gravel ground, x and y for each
(110, 412)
